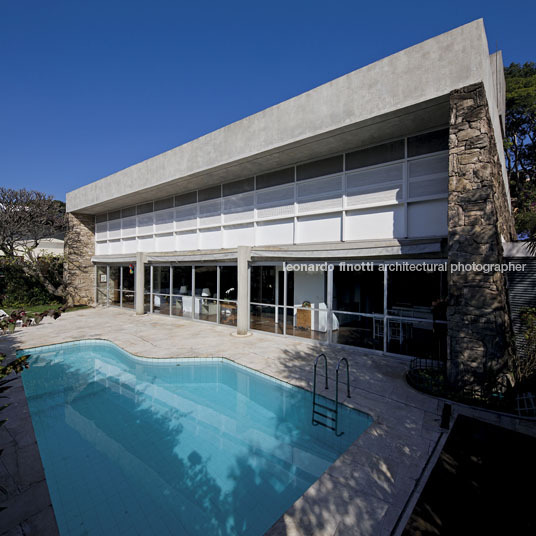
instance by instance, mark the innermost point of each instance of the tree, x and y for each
(520, 145)
(26, 218)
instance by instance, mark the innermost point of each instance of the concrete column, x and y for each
(139, 283)
(242, 322)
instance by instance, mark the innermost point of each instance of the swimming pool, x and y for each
(184, 446)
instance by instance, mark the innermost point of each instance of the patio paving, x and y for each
(369, 490)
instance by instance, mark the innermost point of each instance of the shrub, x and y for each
(18, 289)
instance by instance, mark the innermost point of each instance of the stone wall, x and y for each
(79, 248)
(480, 332)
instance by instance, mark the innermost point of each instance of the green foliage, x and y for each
(520, 143)
(523, 366)
(16, 366)
(528, 321)
(18, 289)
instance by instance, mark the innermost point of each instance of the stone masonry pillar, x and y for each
(139, 283)
(243, 258)
(479, 329)
(79, 271)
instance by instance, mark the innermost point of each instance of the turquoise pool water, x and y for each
(180, 447)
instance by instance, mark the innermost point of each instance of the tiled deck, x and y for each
(364, 492)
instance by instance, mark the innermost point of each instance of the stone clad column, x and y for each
(79, 271)
(243, 258)
(479, 218)
(139, 283)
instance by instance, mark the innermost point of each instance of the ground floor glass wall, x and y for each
(204, 292)
(375, 307)
(379, 308)
(115, 285)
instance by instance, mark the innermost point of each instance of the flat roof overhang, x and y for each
(423, 116)
(401, 94)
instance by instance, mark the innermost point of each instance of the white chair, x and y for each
(319, 319)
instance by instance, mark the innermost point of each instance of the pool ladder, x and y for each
(331, 414)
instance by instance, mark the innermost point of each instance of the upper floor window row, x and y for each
(413, 146)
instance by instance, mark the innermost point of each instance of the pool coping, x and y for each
(28, 506)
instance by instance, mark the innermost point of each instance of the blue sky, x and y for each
(88, 88)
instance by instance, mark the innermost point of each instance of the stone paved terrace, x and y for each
(364, 492)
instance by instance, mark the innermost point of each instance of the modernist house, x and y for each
(264, 224)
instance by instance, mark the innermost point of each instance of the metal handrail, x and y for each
(325, 369)
(337, 390)
(335, 410)
(347, 375)
(314, 381)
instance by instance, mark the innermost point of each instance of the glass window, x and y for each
(417, 294)
(206, 309)
(206, 292)
(307, 294)
(266, 318)
(430, 142)
(263, 284)
(275, 178)
(182, 306)
(114, 285)
(310, 322)
(163, 204)
(228, 283)
(147, 278)
(358, 291)
(228, 313)
(182, 280)
(319, 168)
(129, 278)
(102, 285)
(213, 192)
(128, 285)
(238, 187)
(128, 300)
(128, 212)
(186, 199)
(161, 280)
(161, 304)
(387, 152)
(358, 330)
(145, 208)
(417, 338)
(206, 281)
